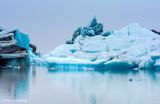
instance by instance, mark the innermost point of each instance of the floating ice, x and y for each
(15, 48)
(131, 47)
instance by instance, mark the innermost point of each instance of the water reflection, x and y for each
(109, 87)
(14, 84)
(80, 85)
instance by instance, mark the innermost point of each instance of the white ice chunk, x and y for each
(129, 47)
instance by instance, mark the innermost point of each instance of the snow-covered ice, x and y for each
(130, 47)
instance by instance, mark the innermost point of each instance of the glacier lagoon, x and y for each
(116, 67)
(78, 85)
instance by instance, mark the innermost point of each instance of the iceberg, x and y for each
(131, 47)
(15, 49)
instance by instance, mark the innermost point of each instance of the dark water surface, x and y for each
(38, 85)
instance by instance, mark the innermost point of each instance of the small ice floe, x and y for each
(88, 69)
(130, 80)
(52, 68)
(17, 67)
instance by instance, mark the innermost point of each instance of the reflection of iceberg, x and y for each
(14, 83)
(108, 88)
(130, 47)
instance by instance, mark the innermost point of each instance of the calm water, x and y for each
(38, 85)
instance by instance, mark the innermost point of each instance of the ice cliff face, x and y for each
(13, 42)
(14, 46)
(130, 47)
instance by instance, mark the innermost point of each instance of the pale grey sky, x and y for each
(50, 23)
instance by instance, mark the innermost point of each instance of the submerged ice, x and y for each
(130, 47)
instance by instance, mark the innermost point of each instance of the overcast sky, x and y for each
(50, 23)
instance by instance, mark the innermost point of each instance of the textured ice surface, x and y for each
(130, 47)
(22, 39)
(15, 44)
(92, 29)
(34, 59)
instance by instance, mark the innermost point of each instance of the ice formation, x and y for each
(129, 48)
(15, 48)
